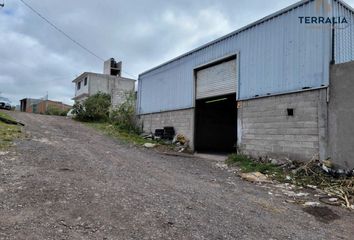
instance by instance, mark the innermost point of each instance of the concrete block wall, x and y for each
(265, 129)
(120, 88)
(341, 115)
(181, 120)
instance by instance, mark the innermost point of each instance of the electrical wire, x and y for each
(61, 31)
(66, 35)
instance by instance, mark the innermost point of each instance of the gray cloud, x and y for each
(34, 58)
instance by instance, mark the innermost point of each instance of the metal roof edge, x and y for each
(262, 20)
(346, 5)
(283, 93)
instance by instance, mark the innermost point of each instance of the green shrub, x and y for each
(124, 116)
(78, 111)
(248, 164)
(94, 109)
(53, 110)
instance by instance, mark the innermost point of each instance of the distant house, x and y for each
(45, 105)
(111, 82)
(29, 104)
(41, 106)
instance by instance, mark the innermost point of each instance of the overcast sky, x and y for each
(35, 59)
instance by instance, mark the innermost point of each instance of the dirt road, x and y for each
(67, 181)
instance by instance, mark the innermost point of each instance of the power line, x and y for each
(61, 31)
(129, 74)
(67, 35)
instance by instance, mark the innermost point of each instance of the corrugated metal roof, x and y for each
(276, 14)
(277, 55)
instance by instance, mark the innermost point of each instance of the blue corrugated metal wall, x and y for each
(276, 56)
(344, 35)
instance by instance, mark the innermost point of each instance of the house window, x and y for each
(78, 85)
(85, 81)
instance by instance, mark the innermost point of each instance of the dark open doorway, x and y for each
(216, 124)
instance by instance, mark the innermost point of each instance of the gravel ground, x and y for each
(67, 181)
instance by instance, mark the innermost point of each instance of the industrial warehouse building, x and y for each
(280, 87)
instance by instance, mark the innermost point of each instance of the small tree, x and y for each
(94, 108)
(124, 116)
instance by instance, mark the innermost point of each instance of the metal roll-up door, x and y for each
(217, 80)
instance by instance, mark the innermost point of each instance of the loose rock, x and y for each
(149, 145)
(254, 177)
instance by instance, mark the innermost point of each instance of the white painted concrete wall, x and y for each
(83, 89)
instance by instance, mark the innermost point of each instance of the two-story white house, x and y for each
(111, 82)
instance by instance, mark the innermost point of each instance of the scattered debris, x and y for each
(311, 186)
(150, 145)
(170, 223)
(181, 143)
(147, 136)
(221, 165)
(3, 153)
(327, 178)
(167, 136)
(290, 201)
(179, 138)
(335, 170)
(330, 200)
(274, 161)
(168, 133)
(333, 185)
(66, 169)
(158, 133)
(255, 177)
(311, 204)
(280, 162)
(182, 150)
(294, 194)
